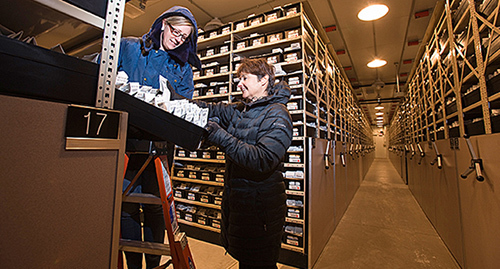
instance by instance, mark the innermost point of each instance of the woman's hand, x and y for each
(212, 128)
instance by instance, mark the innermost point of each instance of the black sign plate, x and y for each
(91, 122)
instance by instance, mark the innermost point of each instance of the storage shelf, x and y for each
(212, 96)
(283, 23)
(199, 160)
(215, 56)
(266, 45)
(207, 42)
(296, 221)
(294, 165)
(218, 75)
(199, 181)
(471, 107)
(297, 193)
(191, 202)
(320, 97)
(198, 225)
(292, 248)
(293, 178)
(451, 75)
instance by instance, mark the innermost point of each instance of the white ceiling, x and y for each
(386, 38)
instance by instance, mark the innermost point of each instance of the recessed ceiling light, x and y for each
(380, 118)
(379, 113)
(376, 63)
(379, 106)
(373, 12)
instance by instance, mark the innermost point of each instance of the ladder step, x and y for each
(144, 198)
(144, 247)
(165, 265)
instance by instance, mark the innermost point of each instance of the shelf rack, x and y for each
(322, 104)
(455, 84)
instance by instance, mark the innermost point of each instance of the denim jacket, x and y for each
(144, 62)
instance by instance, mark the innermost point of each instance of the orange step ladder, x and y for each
(178, 248)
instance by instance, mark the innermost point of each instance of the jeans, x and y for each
(154, 223)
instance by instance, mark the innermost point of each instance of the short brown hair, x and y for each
(259, 67)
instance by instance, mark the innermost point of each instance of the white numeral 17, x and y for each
(104, 115)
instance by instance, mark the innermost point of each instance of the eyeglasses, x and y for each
(178, 33)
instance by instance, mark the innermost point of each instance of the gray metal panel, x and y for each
(404, 168)
(415, 176)
(447, 204)
(321, 200)
(367, 162)
(395, 160)
(352, 174)
(412, 173)
(58, 207)
(480, 203)
(428, 181)
(340, 183)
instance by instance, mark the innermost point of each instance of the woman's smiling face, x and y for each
(252, 87)
(174, 36)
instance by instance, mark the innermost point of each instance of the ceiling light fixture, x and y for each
(379, 106)
(373, 12)
(380, 118)
(379, 113)
(376, 63)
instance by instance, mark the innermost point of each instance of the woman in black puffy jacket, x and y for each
(255, 136)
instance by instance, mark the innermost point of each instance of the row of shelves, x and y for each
(454, 89)
(322, 105)
(292, 44)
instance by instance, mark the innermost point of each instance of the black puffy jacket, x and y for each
(255, 137)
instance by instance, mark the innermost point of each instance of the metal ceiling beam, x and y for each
(380, 100)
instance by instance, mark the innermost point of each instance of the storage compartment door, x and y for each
(320, 198)
(340, 181)
(448, 222)
(480, 203)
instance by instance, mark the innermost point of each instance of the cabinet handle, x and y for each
(327, 155)
(438, 158)
(351, 151)
(422, 153)
(476, 164)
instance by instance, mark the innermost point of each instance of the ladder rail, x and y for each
(178, 247)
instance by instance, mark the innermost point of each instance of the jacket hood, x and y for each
(280, 93)
(182, 54)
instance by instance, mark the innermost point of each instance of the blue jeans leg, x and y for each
(154, 223)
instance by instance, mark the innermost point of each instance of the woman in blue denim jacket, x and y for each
(168, 50)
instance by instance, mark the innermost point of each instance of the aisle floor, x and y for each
(384, 227)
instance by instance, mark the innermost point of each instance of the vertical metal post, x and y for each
(109, 54)
(480, 67)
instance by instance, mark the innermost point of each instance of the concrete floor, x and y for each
(383, 227)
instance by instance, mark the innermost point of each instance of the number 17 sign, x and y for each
(91, 122)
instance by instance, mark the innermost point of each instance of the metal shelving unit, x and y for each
(322, 107)
(452, 92)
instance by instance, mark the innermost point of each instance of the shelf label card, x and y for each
(91, 122)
